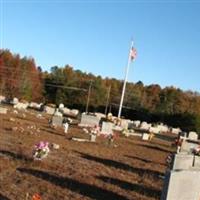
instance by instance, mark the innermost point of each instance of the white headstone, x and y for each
(61, 106)
(176, 130)
(93, 138)
(145, 126)
(57, 113)
(193, 135)
(15, 101)
(136, 123)
(145, 136)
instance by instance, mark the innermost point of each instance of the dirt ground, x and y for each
(131, 169)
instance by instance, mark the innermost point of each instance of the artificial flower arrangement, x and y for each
(41, 150)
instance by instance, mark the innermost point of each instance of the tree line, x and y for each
(19, 77)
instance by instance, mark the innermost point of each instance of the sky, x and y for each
(94, 36)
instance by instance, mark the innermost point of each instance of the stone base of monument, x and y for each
(181, 185)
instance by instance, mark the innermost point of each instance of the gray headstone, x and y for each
(3, 110)
(193, 136)
(89, 120)
(57, 121)
(107, 128)
(183, 161)
(181, 185)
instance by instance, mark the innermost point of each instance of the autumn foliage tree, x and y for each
(19, 77)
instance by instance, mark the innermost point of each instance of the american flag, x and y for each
(133, 53)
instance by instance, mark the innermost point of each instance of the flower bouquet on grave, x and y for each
(196, 151)
(41, 150)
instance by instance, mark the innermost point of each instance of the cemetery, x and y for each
(41, 153)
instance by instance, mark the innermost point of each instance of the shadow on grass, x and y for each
(51, 132)
(16, 155)
(157, 148)
(2, 197)
(85, 189)
(145, 160)
(149, 192)
(119, 165)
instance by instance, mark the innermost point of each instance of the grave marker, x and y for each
(192, 135)
(89, 120)
(107, 128)
(57, 120)
(181, 185)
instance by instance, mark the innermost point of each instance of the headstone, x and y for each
(57, 121)
(145, 136)
(93, 138)
(89, 120)
(61, 106)
(131, 125)
(49, 110)
(145, 126)
(107, 128)
(163, 128)
(183, 161)
(176, 130)
(154, 130)
(136, 123)
(57, 113)
(21, 106)
(192, 135)
(3, 110)
(15, 101)
(181, 185)
(124, 123)
(35, 105)
(188, 146)
(69, 112)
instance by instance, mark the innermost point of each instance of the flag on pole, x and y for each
(133, 53)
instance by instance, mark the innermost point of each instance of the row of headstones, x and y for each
(181, 181)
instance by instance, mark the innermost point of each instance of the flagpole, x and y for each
(125, 80)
